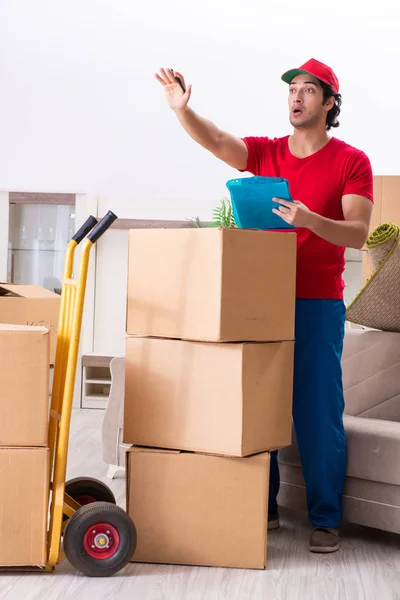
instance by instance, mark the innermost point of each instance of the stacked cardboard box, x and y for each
(31, 305)
(24, 456)
(209, 373)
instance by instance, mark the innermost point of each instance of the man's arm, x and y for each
(356, 207)
(351, 233)
(226, 147)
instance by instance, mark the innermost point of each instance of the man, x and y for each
(332, 185)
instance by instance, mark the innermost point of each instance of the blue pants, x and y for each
(318, 406)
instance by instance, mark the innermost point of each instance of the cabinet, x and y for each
(96, 380)
(38, 237)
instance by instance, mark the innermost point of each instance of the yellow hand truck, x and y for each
(99, 538)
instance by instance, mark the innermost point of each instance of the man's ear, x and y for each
(330, 103)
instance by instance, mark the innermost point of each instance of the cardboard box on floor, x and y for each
(232, 398)
(197, 509)
(211, 284)
(24, 385)
(31, 305)
(24, 494)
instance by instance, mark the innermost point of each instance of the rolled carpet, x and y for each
(377, 305)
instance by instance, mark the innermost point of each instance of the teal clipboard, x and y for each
(251, 199)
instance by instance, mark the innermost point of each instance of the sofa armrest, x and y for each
(373, 449)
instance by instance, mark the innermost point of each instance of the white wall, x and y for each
(80, 109)
(352, 274)
(111, 286)
(85, 206)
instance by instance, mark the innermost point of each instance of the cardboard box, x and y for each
(233, 399)
(24, 494)
(386, 210)
(194, 509)
(24, 385)
(31, 305)
(386, 201)
(211, 284)
(390, 211)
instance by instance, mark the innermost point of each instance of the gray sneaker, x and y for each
(324, 540)
(273, 521)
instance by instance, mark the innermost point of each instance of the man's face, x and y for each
(306, 108)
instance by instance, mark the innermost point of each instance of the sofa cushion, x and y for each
(371, 374)
(364, 502)
(373, 450)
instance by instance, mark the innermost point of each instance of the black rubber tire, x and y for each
(87, 486)
(87, 517)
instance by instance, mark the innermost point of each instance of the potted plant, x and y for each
(222, 216)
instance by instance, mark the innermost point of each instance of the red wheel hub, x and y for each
(83, 500)
(101, 541)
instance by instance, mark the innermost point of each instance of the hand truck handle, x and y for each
(102, 227)
(85, 229)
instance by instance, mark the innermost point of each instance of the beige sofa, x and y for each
(371, 380)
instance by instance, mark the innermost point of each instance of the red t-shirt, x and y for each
(319, 181)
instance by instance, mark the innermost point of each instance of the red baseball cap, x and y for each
(317, 69)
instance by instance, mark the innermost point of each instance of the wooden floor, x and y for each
(366, 568)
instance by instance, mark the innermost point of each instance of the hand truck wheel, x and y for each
(100, 539)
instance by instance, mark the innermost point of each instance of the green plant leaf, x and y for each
(193, 222)
(223, 214)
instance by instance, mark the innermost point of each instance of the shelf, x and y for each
(95, 402)
(97, 397)
(96, 380)
(96, 360)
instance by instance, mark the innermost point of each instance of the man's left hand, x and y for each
(296, 213)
